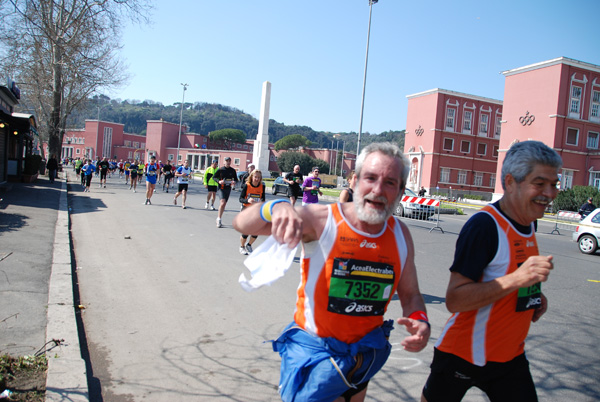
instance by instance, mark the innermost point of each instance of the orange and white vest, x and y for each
(497, 331)
(348, 278)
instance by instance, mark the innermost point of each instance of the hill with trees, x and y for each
(203, 118)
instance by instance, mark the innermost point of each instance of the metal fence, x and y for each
(422, 209)
(566, 220)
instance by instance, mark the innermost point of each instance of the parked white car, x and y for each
(413, 210)
(587, 233)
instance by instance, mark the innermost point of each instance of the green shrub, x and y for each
(573, 198)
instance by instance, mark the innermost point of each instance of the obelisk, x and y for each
(260, 156)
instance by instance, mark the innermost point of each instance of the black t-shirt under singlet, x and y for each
(477, 244)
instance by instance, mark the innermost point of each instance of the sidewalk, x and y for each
(36, 285)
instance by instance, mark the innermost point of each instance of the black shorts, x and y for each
(88, 180)
(103, 174)
(212, 189)
(224, 193)
(182, 187)
(451, 377)
(295, 192)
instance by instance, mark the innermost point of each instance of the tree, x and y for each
(287, 160)
(228, 136)
(63, 52)
(291, 142)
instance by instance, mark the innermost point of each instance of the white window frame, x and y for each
(467, 122)
(129, 155)
(595, 179)
(566, 179)
(575, 99)
(461, 147)
(444, 175)
(450, 118)
(107, 142)
(462, 177)
(576, 137)
(498, 127)
(495, 150)
(484, 123)
(493, 180)
(77, 151)
(478, 179)
(444, 144)
(592, 143)
(595, 105)
(236, 161)
(484, 148)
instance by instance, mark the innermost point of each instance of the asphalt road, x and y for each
(165, 318)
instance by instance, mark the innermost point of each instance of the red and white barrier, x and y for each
(569, 215)
(420, 200)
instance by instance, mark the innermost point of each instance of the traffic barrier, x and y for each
(412, 213)
(566, 220)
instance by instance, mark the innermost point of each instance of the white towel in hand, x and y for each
(269, 262)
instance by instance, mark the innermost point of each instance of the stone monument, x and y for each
(260, 156)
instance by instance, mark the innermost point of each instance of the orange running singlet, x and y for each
(348, 278)
(497, 331)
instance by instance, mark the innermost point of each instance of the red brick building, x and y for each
(556, 102)
(452, 142)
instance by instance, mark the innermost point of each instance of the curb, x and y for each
(67, 378)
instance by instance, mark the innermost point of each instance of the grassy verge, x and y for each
(24, 376)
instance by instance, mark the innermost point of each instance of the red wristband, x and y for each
(420, 316)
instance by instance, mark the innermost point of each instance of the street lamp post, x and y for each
(362, 104)
(180, 122)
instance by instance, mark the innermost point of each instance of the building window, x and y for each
(239, 145)
(129, 155)
(468, 118)
(483, 125)
(127, 143)
(179, 157)
(481, 149)
(595, 179)
(575, 104)
(572, 136)
(567, 179)
(107, 143)
(450, 113)
(448, 144)
(495, 151)
(595, 107)
(245, 146)
(77, 151)
(465, 147)
(592, 140)
(462, 177)
(445, 175)
(236, 161)
(498, 127)
(143, 145)
(171, 157)
(493, 180)
(478, 179)
(136, 144)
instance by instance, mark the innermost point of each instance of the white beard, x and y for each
(370, 215)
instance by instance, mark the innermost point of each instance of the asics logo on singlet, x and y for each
(359, 308)
(534, 301)
(530, 244)
(366, 244)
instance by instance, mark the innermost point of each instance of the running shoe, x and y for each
(243, 251)
(249, 248)
(212, 207)
(183, 206)
(219, 224)
(174, 201)
(206, 206)
(147, 201)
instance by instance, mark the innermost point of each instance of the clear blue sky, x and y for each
(313, 53)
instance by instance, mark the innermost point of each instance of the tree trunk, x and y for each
(54, 131)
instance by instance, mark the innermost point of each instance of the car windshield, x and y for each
(408, 191)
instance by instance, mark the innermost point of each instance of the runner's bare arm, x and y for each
(288, 225)
(412, 300)
(463, 294)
